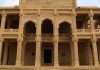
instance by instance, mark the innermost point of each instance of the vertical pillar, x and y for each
(90, 54)
(74, 27)
(38, 54)
(19, 52)
(56, 60)
(5, 54)
(1, 45)
(72, 52)
(23, 51)
(56, 36)
(21, 24)
(38, 45)
(91, 15)
(3, 21)
(95, 53)
(75, 46)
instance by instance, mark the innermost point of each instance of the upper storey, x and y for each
(32, 4)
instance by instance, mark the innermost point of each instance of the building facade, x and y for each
(49, 35)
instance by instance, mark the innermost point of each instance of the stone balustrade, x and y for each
(83, 30)
(10, 31)
(97, 30)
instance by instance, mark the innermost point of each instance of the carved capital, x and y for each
(20, 14)
(74, 14)
(94, 40)
(4, 15)
(91, 15)
(38, 38)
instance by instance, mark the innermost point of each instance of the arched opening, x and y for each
(65, 28)
(47, 27)
(29, 28)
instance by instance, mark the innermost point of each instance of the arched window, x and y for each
(65, 28)
(30, 28)
(47, 27)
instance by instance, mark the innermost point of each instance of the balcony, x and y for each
(84, 30)
(30, 36)
(10, 31)
(47, 37)
(65, 37)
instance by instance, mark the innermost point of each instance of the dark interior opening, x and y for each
(97, 21)
(85, 52)
(12, 21)
(47, 27)
(47, 56)
(30, 28)
(9, 52)
(82, 21)
(65, 28)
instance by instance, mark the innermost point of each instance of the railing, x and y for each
(10, 31)
(97, 30)
(65, 37)
(29, 34)
(83, 30)
(47, 37)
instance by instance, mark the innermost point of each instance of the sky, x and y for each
(79, 2)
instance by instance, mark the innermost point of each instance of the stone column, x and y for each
(21, 24)
(38, 45)
(1, 46)
(56, 60)
(19, 52)
(73, 26)
(90, 54)
(5, 54)
(38, 54)
(72, 52)
(56, 33)
(75, 46)
(23, 51)
(3, 21)
(95, 53)
(91, 15)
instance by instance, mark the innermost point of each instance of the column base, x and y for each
(96, 64)
(18, 63)
(76, 64)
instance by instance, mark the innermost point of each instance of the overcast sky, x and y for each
(79, 2)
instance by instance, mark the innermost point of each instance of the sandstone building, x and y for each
(49, 35)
